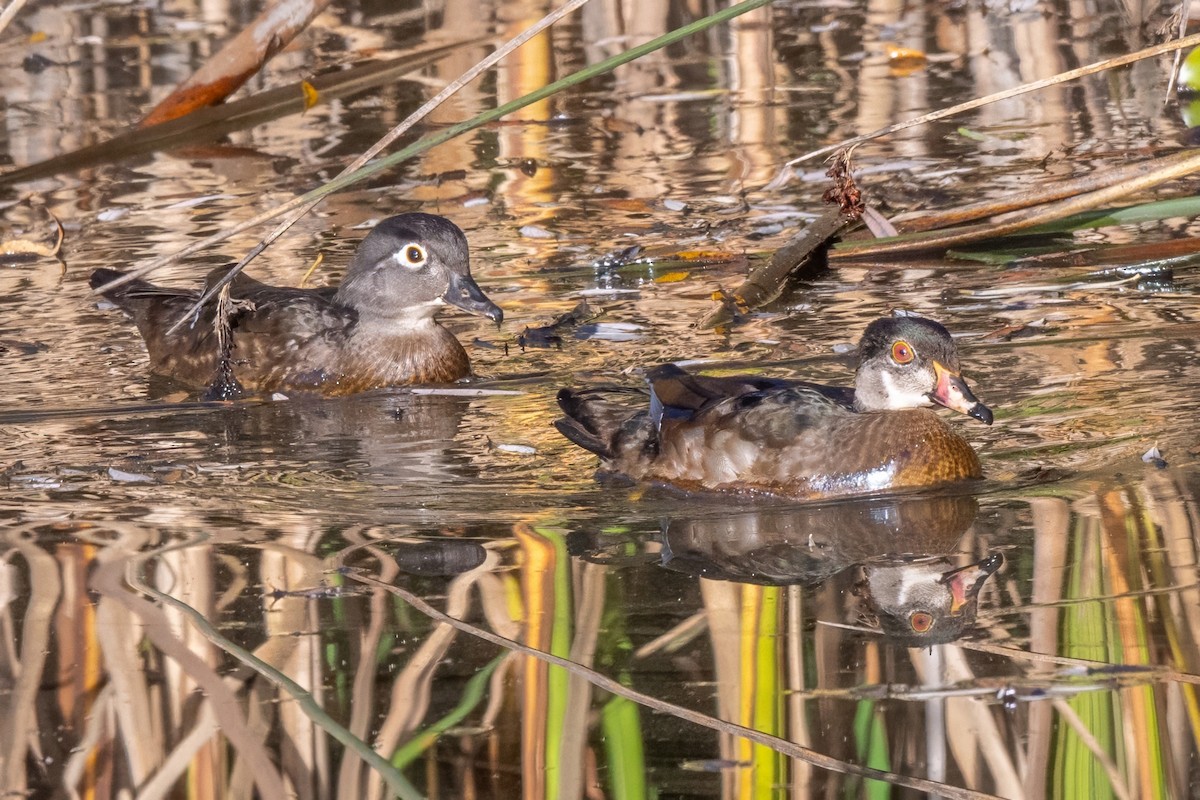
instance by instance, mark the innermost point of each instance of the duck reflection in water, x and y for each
(913, 590)
(383, 438)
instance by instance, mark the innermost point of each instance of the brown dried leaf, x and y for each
(239, 60)
(34, 233)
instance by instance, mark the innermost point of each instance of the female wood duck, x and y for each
(378, 328)
(793, 439)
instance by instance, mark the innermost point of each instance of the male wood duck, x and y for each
(377, 328)
(788, 438)
(923, 603)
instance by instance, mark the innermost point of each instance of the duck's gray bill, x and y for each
(465, 293)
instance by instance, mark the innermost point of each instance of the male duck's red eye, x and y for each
(902, 352)
(921, 622)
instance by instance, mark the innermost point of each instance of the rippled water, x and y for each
(147, 536)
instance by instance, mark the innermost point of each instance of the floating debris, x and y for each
(192, 202)
(128, 477)
(23, 348)
(619, 258)
(802, 255)
(29, 232)
(536, 232)
(440, 557)
(610, 331)
(1153, 456)
(712, 765)
(468, 392)
(1017, 331)
(113, 214)
(551, 335)
(600, 292)
(519, 449)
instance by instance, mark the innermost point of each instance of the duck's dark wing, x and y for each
(281, 312)
(615, 423)
(283, 336)
(678, 389)
(246, 288)
(612, 421)
(676, 393)
(769, 418)
(157, 308)
(280, 335)
(189, 355)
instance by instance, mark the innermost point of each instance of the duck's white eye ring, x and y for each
(411, 255)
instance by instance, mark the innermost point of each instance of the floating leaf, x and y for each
(719, 256)
(897, 54)
(311, 95)
(904, 61)
(672, 277)
(1189, 73)
(113, 214)
(192, 202)
(609, 331)
(519, 449)
(628, 204)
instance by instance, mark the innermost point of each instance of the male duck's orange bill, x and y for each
(952, 392)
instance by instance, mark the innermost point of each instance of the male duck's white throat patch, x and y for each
(897, 396)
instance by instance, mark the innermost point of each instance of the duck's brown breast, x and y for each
(889, 450)
(433, 356)
(341, 364)
(842, 454)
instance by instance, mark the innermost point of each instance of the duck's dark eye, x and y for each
(902, 352)
(413, 255)
(920, 621)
